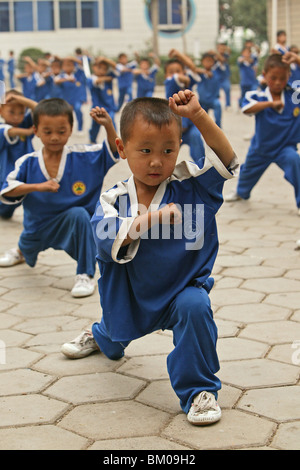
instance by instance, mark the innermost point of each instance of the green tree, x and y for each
(250, 14)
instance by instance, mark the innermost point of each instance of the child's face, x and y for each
(54, 132)
(123, 59)
(144, 65)
(68, 66)
(282, 39)
(100, 70)
(151, 152)
(276, 79)
(246, 53)
(55, 67)
(173, 68)
(13, 113)
(208, 63)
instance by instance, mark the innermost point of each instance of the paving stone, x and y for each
(160, 394)
(226, 328)
(222, 297)
(104, 420)
(13, 338)
(288, 436)
(257, 373)
(6, 321)
(288, 353)
(31, 294)
(18, 358)
(138, 443)
(57, 364)
(146, 367)
(150, 344)
(273, 333)
(252, 313)
(23, 381)
(271, 285)
(41, 309)
(230, 349)
(29, 409)
(27, 281)
(95, 387)
(44, 437)
(235, 430)
(289, 300)
(278, 403)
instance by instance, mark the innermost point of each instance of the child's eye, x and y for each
(145, 150)
(167, 151)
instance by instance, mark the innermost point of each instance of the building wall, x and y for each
(288, 19)
(135, 34)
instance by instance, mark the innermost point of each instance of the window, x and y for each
(89, 15)
(173, 14)
(111, 13)
(67, 14)
(23, 16)
(45, 19)
(4, 16)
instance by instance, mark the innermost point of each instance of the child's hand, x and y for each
(185, 103)
(290, 58)
(50, 186)
(277, 105)
(170, 214)
(101, 116)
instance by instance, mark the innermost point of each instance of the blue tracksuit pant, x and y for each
(193, 363)
(70, 231)
(255, 165)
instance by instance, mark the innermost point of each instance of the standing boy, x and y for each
(125, 78)
(157, 241)
(59, 187)
(248, 68)
(277, 133)
(16, 134)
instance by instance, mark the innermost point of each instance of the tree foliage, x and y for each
(250, 14)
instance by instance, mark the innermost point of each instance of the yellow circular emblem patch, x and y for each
(296, 112)
(78, 188)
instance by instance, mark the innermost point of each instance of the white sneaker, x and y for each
(204, 410)
(232, 197)
(82, 346)
(11, 258)
(84, 286)
(297, 245)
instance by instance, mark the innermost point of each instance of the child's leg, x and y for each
(112, 349)
(289, 162)
(193, 363)
(79, 116)
(217, 112)
(6, 211)
(251, 171)
(94, 131)
(122, 94)
(226, 85)
(193, 139)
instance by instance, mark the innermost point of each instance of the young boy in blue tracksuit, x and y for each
(209, 86)
(70, 84)
(157, 241)
(16, 134)
(145, 76)
(59, 187)
(100, 85)
(248, 66)
(277, 132)
(125, 78)
(224, 71)
(180, 74)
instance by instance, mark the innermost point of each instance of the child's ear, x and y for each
(120, 148)
(35, 130)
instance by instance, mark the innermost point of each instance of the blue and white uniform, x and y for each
(225, 74)
(209, 93)
(102, 96)
(248, 80)
(162, 280)
(125, 80)
(29, 84)
(12, 148)
(61, 220)
(146, 82)
(11, 71)
(191, 135)
(277, 134)
(2, 63)
(72, 93)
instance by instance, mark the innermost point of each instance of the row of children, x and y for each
(59, 188)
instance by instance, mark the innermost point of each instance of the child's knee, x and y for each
(193, 304)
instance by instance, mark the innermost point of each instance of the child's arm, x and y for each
(186, 104)
(50, 186)
(186, 60)
(27, 102)
(291, 58)
(169, 214)
(101, 116)
(258, 107)
(20, 132)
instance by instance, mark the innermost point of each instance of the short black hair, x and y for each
(275, 60)
(280, 32)
(53, 107)
(155, 111)
(173, 61)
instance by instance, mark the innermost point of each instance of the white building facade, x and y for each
(107, 26)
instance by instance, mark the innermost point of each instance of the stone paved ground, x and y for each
(50, 402)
